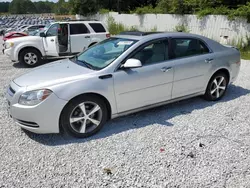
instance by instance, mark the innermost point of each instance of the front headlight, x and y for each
(31, 98)
(9, 45)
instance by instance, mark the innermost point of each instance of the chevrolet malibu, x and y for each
(124, 74)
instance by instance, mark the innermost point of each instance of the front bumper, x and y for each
(10, 53)
(42, 118)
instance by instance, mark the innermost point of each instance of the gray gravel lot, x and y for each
(193, 143)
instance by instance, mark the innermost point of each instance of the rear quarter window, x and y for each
(97, 27)
(77, 29)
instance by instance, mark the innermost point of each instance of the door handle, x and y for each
(209, 60)
(166, 69)
(87, 37)
(52, 40)
(106, 76)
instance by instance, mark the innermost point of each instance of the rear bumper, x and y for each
(235, 72)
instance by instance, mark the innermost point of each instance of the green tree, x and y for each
(173, 6)
(84, 7)
(22, 7)
(4, 6)
(62, 7)
(44, 6)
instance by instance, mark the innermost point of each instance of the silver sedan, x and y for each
(121, 75)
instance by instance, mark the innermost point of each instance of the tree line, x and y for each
(85, 7)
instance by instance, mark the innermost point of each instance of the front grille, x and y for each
(27, 123)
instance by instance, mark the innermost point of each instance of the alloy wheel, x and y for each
(30, 58)
(218, 87)
(86, 117)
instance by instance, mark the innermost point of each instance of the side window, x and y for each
(17, 35)
(97, 27)
(77, 29)
(153, 53)
(188, 47)
(32, 28)
(53, 30)
(204, 48)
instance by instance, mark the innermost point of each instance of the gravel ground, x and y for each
(192, 143)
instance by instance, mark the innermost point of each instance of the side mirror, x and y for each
(42, 34)
(132, 63)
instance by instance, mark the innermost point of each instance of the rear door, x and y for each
(79, 37)
(192, 60)
(50, 42)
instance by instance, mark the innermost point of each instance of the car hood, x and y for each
(53, 73)
(26, 38)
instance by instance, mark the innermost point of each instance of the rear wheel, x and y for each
(30, 57)
(217, 87)
(84, 116)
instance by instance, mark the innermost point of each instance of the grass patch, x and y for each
(116, 28)
(181, 28)
(245, 55)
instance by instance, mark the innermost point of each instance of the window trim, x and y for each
(118, 68)
(188, 38)
(79, 33)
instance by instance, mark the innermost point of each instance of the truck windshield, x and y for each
(104, 53)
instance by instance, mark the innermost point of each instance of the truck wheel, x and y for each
(30, 57)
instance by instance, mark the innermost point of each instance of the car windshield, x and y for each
(47, 26)
(104, 53)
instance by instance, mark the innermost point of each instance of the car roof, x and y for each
(137, 35)
(78, 21)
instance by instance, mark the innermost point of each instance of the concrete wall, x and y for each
(212, 26)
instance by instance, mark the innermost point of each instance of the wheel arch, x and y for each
(28, 47)
(225, 71)
(88, 94)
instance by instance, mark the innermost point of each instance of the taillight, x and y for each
(108, 35)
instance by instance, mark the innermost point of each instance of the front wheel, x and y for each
(84, 116)
(217, 87)
(30, 57)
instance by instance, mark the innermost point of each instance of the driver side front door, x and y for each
(50, 42)
(146, 85)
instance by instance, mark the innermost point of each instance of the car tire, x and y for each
(30, 57)
(216, 87)
(84, 116)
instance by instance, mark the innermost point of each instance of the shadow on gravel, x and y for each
(158, 115)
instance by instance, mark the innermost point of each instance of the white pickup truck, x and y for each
(59, 39)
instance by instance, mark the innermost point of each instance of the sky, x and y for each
(31, 0)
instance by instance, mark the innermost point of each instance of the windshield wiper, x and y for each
(73, 58)
(87, 64)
